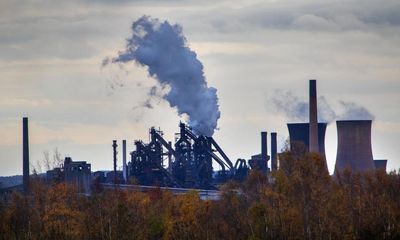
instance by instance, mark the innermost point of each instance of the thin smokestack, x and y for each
(124, 160)
(274, 150)
(115, 160)
(264, 146)
(313, 131)
(25, 154)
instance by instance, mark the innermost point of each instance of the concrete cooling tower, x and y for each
(299, 133)
(354, 149)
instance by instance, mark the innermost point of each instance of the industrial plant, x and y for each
(196, 161)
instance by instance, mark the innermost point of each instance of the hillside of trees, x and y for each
(299, 201)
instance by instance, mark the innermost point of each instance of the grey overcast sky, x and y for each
(50, 70)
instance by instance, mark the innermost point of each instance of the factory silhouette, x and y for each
(189, 162)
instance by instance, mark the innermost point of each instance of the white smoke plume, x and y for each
(353, 111)
(295, 108)
(162, 48)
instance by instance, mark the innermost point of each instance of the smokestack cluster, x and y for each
(25, 154)
(162, 48)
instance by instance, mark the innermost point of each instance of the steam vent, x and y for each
(354, 146)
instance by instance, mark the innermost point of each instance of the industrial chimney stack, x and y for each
(274, 162)
(264, 147)
(124, 173)
(313, 131)
(25, 154)
(115, 160)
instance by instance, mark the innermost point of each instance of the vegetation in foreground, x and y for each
(299, 201)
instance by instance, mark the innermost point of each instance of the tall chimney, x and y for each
(313, 131)
(25, 154)
(124, 160)
(115, 160)
(264, 146)
(274, 162)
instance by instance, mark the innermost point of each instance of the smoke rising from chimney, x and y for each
(162, 47)
(295, 108)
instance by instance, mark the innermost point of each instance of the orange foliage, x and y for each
(299, 201)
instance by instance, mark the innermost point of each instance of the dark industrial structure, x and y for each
(380, 164)
(313, 127)
(78, 173)
(299, 137)
(309, 137)
(25, 154)
(260, 161)
(115, 160)
(354, 149)
(189, 161)
(124, 173)
(274, 152)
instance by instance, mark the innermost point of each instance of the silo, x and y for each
(299, 133)
(354, 149)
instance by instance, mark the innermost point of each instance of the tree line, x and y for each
(298, 201)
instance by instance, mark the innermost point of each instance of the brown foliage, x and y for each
(299, 201)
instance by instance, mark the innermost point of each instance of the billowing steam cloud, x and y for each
(353, 111)
(162, 48)
(296, 109)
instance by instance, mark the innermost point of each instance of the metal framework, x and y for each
(190, 164)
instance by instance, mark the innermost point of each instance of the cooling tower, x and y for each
(380, 164)
(274, 162)
(354, 149)
(299, 134)
(25, 154)
(313, 130)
